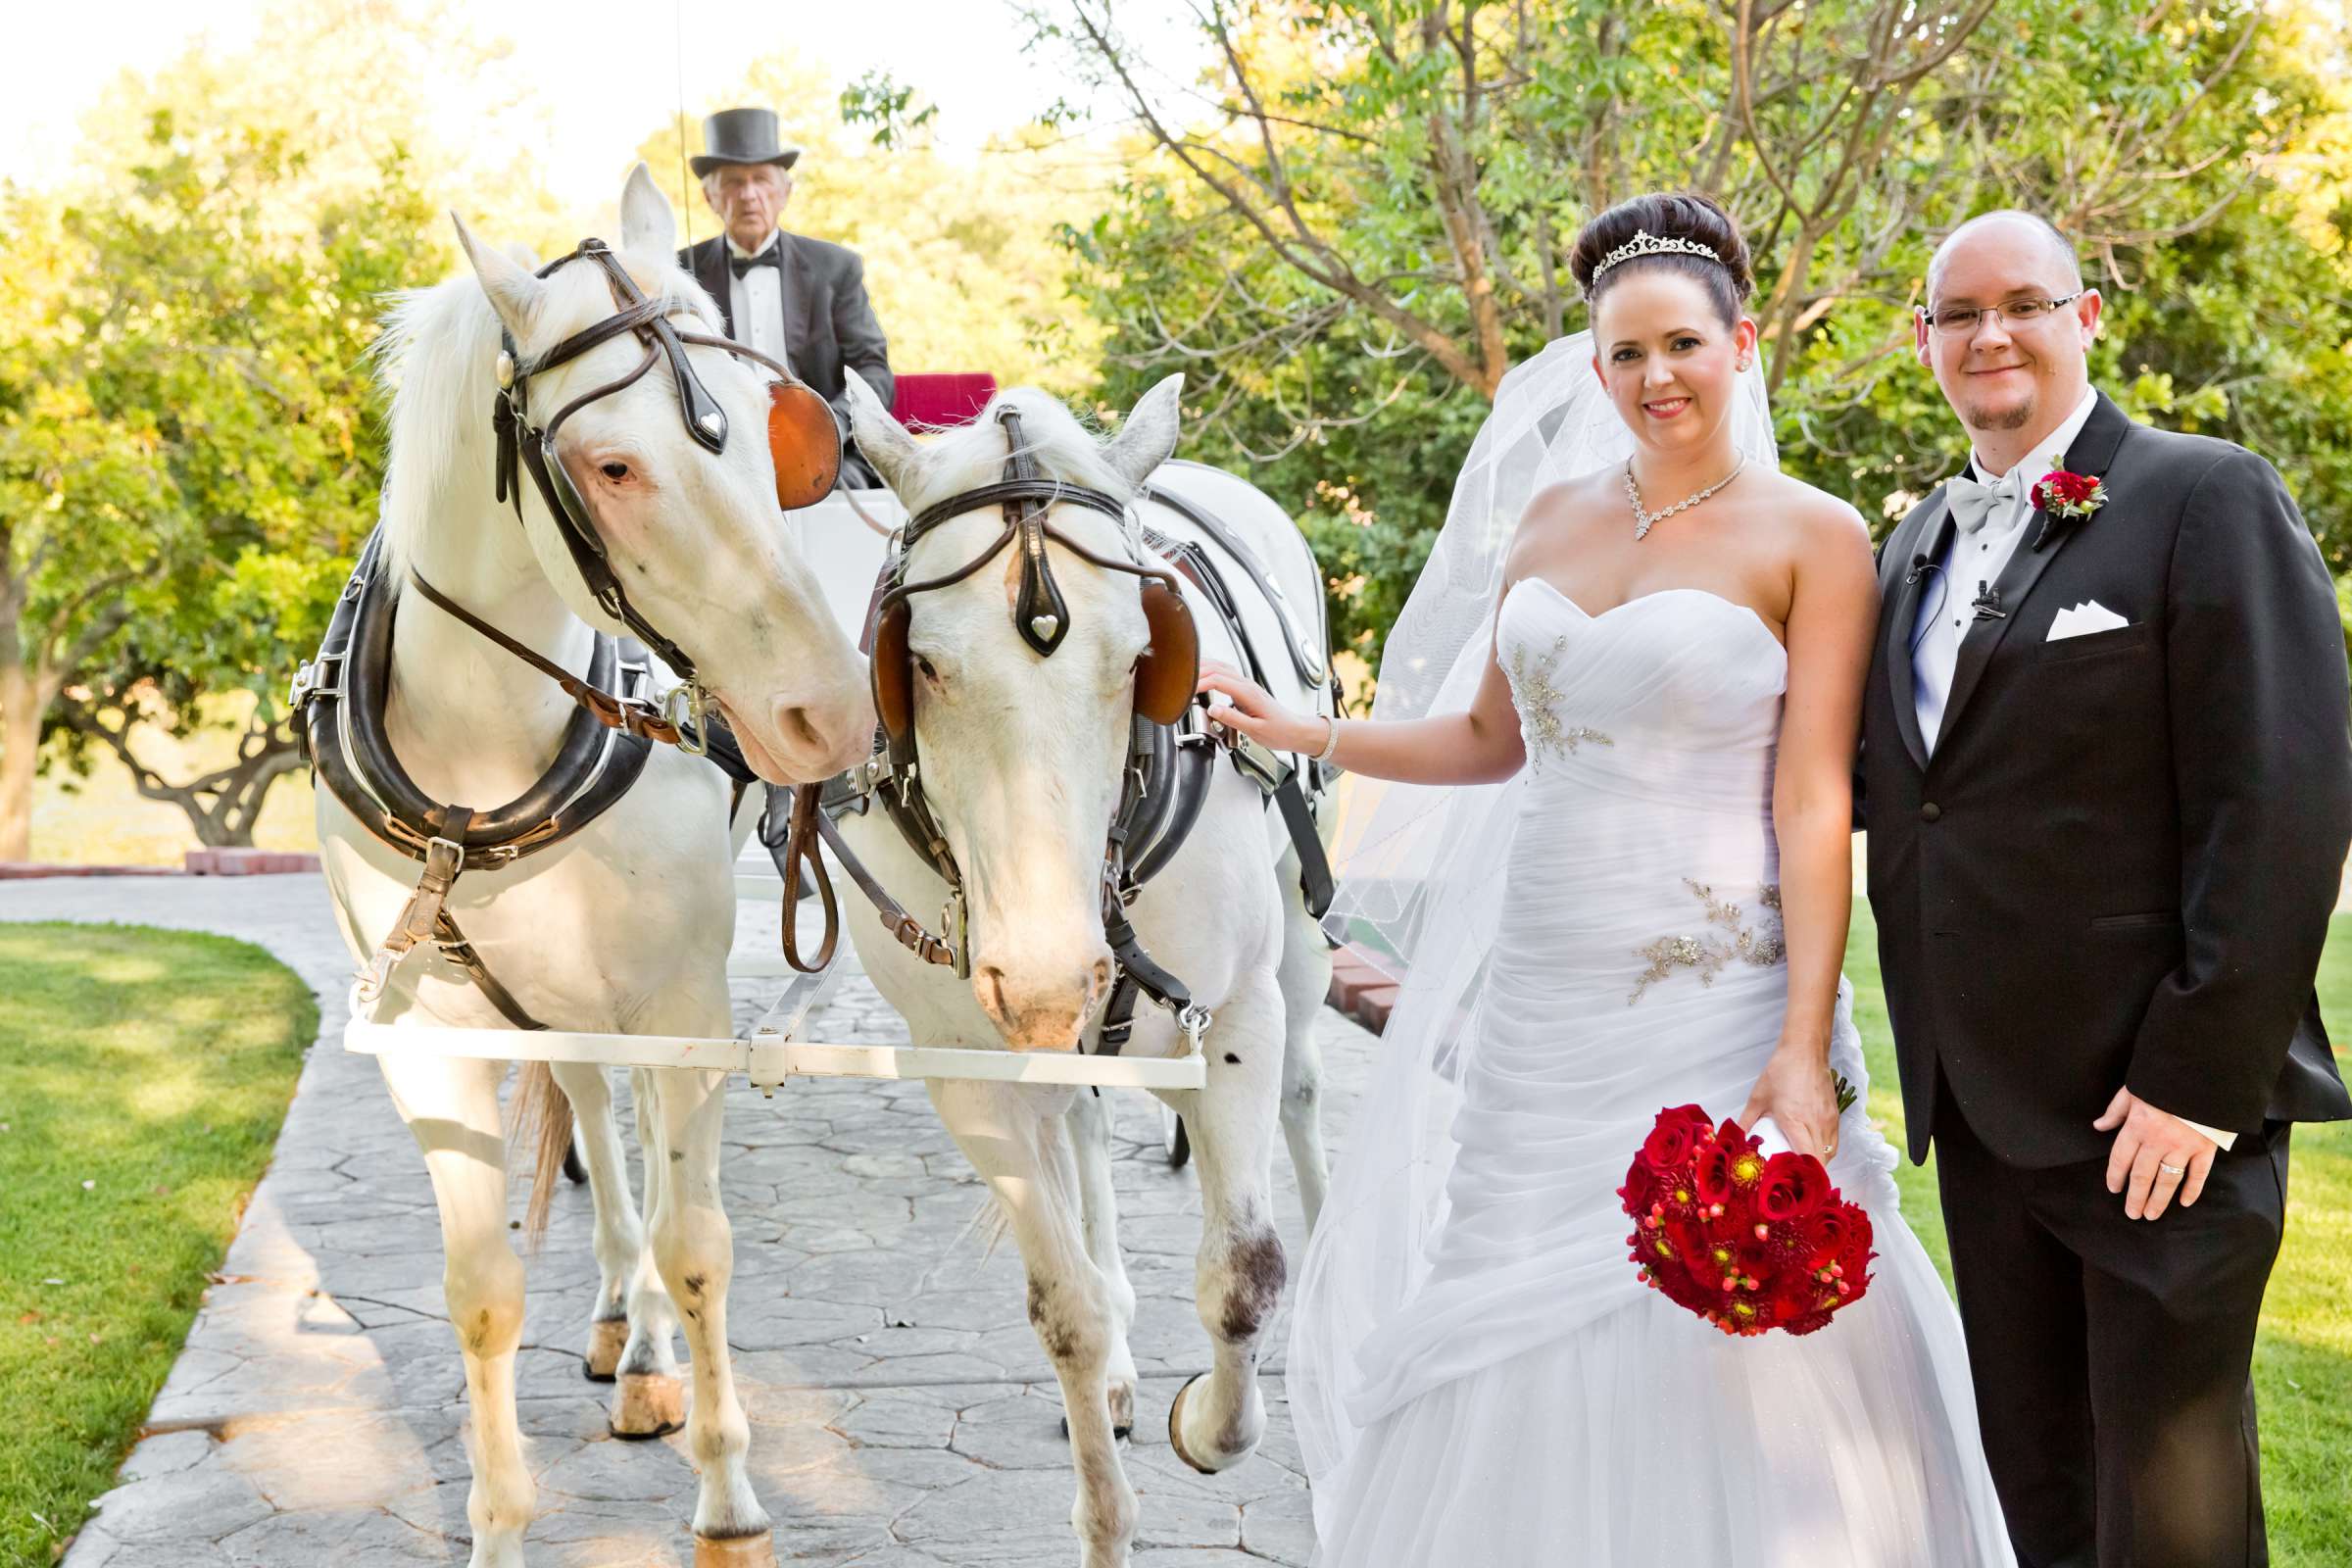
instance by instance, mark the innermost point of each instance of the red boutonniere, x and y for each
(2065, 496)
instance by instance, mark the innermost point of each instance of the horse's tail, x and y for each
(542, 1112)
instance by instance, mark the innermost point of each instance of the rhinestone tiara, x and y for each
(1644, 243)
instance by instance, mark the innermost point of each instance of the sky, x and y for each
(964, 55)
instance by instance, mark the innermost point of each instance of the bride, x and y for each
(1613, 862)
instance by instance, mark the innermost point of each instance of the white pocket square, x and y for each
(2080, 620)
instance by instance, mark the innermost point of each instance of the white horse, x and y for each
(1021, 758)
(625, 926)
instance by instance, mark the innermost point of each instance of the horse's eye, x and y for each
(924, 665)
(616, 471)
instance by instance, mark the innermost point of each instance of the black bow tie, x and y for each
(773, 256)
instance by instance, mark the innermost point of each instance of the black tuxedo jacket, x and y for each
(828, 322)
(2117, 865)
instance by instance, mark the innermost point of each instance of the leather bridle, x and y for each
(1145, 828)
(797, 421)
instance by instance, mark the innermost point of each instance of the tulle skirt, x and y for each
(1646, 1439)
(1531, 1403)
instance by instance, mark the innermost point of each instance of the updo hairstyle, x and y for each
(1684, 217)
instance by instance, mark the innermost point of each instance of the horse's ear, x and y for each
(648, 225)
(880, 436)
(1148, 437)
(514, 294)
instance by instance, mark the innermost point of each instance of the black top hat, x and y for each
(742, 136)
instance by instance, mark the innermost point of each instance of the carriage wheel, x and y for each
(1174, 1138)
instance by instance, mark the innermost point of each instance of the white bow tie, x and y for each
(1974, 502)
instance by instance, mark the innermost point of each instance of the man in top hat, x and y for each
(795, 299)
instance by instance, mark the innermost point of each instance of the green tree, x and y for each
(235, 344)
(87, 500)
(1355, 215)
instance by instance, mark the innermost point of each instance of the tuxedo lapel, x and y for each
(1936, 528)
(795, 270)
(710, 270)
(2092, 451)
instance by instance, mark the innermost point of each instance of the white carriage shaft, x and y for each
(770, 1064)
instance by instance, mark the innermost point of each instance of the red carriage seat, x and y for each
(941, 402)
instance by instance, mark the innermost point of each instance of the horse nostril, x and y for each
(802, 730)
(989, 981)
(1101, 973)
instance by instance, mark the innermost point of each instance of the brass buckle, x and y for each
(687, 704)
(952, 932)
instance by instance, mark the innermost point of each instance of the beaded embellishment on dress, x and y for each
(1538, 701)
(1760, 944)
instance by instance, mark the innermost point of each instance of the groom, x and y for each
(2109, 795)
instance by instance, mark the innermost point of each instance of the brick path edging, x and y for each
(1359, 989)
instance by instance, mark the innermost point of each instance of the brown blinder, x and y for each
(893, 671)
(1166, 674)
(805, 443)
(1170, 669)
(1164, 677)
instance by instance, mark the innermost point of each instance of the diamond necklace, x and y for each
(1644, 520)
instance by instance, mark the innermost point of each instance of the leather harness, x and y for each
(339, 698)
(1171, 749)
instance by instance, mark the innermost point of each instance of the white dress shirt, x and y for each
(756, 300)
(1975, 562)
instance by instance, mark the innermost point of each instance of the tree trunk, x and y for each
(19, 753)
(238, 793)
(221, 807)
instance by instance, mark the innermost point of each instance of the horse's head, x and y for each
(1020, 752)
(693, 535)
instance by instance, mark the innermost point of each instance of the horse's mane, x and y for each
(973, 455)
(435, 360)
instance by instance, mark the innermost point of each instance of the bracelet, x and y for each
(1330, 740)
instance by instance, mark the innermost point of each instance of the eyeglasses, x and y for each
(1950, 319)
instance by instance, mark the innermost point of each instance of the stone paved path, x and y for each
(902, 1415)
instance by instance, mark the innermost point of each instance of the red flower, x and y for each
(1713, 1174)
(1675, 1139)
(1828, 1228)
(2070, 495)
(1791, 1187)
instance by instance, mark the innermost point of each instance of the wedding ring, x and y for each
(2170, 1170)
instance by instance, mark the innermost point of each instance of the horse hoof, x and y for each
(738, 1551)
(648, 1406)
(1121, 1433)
(607, 1339)
(1176, 1425)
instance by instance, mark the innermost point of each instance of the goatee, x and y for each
(2014, 419)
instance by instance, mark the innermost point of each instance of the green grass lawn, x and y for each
(2303, 1359)
(143, 1075)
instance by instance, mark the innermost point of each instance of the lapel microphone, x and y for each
(1987, 604)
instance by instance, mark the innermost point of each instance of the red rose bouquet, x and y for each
(1748, 1242)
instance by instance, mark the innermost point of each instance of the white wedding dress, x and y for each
(1530, 1405)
